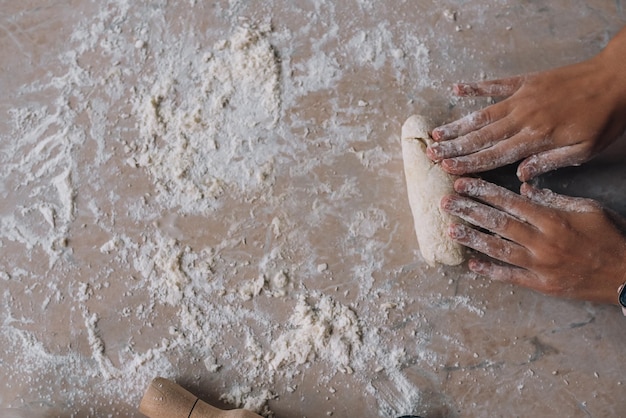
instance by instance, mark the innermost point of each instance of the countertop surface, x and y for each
(213, 192)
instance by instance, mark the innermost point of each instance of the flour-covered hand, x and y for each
(557, 245)
(551, 119)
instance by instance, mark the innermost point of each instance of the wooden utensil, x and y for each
(166, 399)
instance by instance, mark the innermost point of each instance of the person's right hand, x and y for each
(550, 119)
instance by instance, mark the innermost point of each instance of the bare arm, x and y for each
(558, 245)
(550, 119)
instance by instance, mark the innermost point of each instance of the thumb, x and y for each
(550, 160)
(548, 198)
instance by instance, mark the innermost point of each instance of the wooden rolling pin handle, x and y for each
(166, 399)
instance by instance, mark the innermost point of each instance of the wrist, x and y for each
(613, 60)
(609, 67)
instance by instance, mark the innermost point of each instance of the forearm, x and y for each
(613, 61)
(615, 50)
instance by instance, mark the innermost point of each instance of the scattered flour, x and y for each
(97, 347)
(209, 127)
(43, 146)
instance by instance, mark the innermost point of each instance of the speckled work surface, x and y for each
(213, 192)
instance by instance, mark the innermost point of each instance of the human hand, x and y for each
(554, 244)
(550, 119)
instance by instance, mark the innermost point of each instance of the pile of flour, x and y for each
(207, 124)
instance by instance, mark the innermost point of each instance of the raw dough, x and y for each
(427, 183)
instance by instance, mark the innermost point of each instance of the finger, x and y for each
(491, 245)
(499, 88)
(514, 275)
(469, 123)
(502, 153)
(551, 160)
(487, 217)
(500, 198)
(548, 198)
(473, 141)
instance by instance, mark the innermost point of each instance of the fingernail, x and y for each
(437, 134)
(460, 185)
(525, 189)
(457, 231)
(447, 203)
(432, 152)
(526, 171)
(450, 165)
(476, 265)
(462, 89)
(469, 186)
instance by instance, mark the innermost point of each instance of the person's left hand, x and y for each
(554, 244)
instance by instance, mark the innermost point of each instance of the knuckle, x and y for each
(480, 137)
(499, 249)
(486, 116)
(554, 284)
(510, 127)
(553, 223)
(498, 222)
(486, 160)
(521, 258)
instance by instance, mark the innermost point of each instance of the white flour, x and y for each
(327, 330)
(208, 121)
(214, 126)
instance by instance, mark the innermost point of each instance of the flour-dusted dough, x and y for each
(427, 183)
